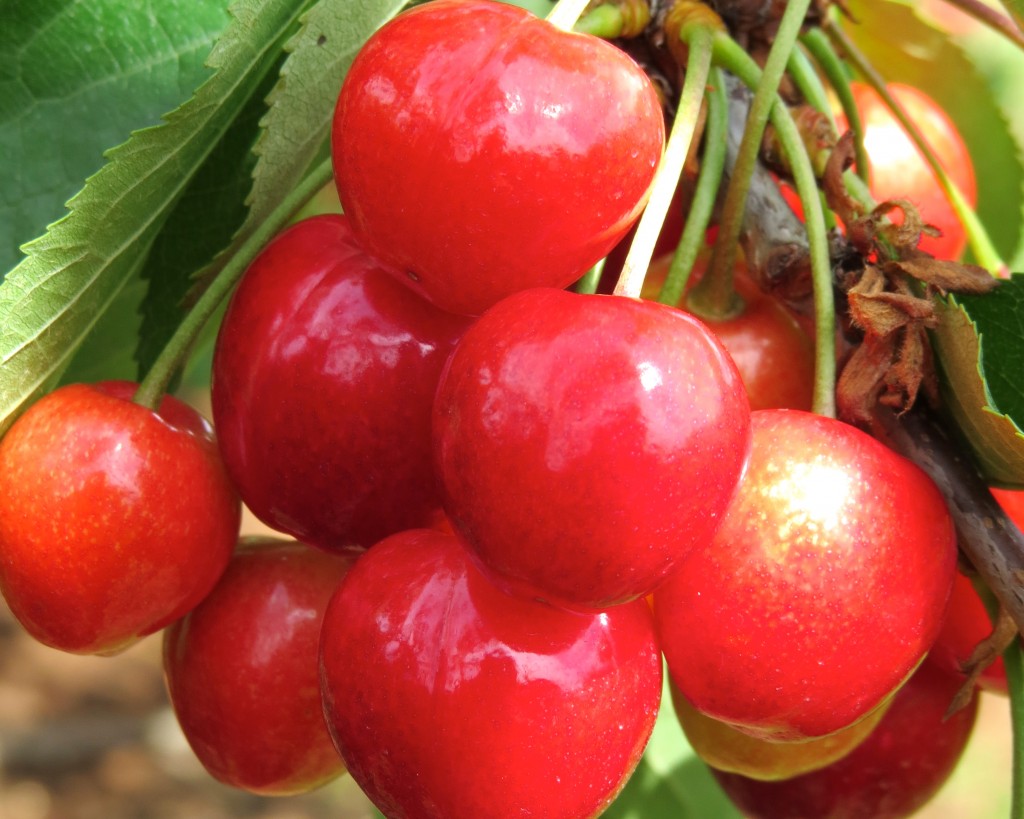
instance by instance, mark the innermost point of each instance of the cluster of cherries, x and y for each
(510, 501)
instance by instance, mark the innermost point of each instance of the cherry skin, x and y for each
(448, 698)
(821, 591)
(730, 750)
(114, 520)
(899, 171)
(242, 669)
(773, 353)
(587, 443)
(898, 768)
(323, 381)
(967, 623)
(482, 151)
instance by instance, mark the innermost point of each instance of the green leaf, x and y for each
(905, 48)
(200, 226)
(980, 346)
(76, 77)
(50, 301)
(301, 106)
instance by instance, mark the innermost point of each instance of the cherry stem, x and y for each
(154, 385)
(715, 295)
(810, 86)
(835, 72)
(704, 195)
(699, 39)
(587, 285)
(981, 244)
(604, 21)
(733, 58)
(1013, 659)
(1016, 11)
(999, 23)
(566, 12)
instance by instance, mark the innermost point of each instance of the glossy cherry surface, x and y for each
(483, 151)
(448, 698)
(242, 669)
(895, 771)
(822, 590)
(323, 381)
(773, 353)
(587, 443)
(114, 520)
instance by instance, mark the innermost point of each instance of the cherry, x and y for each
(821, 591)
(1012, 501)
(114, 520)
(900, 766)
(448, 698)
(242, 669)
(323, 381)
(587, 443)
(773, 353)
(730, 750)
(482, 151)
(899, 171)
(967, 623)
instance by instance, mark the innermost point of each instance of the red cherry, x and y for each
(1012, 501)
(242, 670)
(323, 381)
(114, 520)
(448, 698)
(966, 624)
(587, 443)
(821, 591)
(773, 354)
(483, 151)
(890, 775)
(899, 171)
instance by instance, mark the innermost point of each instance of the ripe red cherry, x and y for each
(587, 443)
(899, 171)
(242, 669)
(483, 151)
(114, 520)
(773, 353)
(967, 623)
(821, 591)
(323, 381)
(890, 775)
(449, 699)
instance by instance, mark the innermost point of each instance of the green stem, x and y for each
(154, 385)
(1013, 658)
(604, 21)
(698, 65)
(566, 12)
(591, 279)
(704, 195)
(810, 86)
(825, 56)
(988, 16)
(732, 57)
(715, 295)
(1015, 8)
(981, 244)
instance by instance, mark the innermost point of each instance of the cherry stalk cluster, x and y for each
(514, 495)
